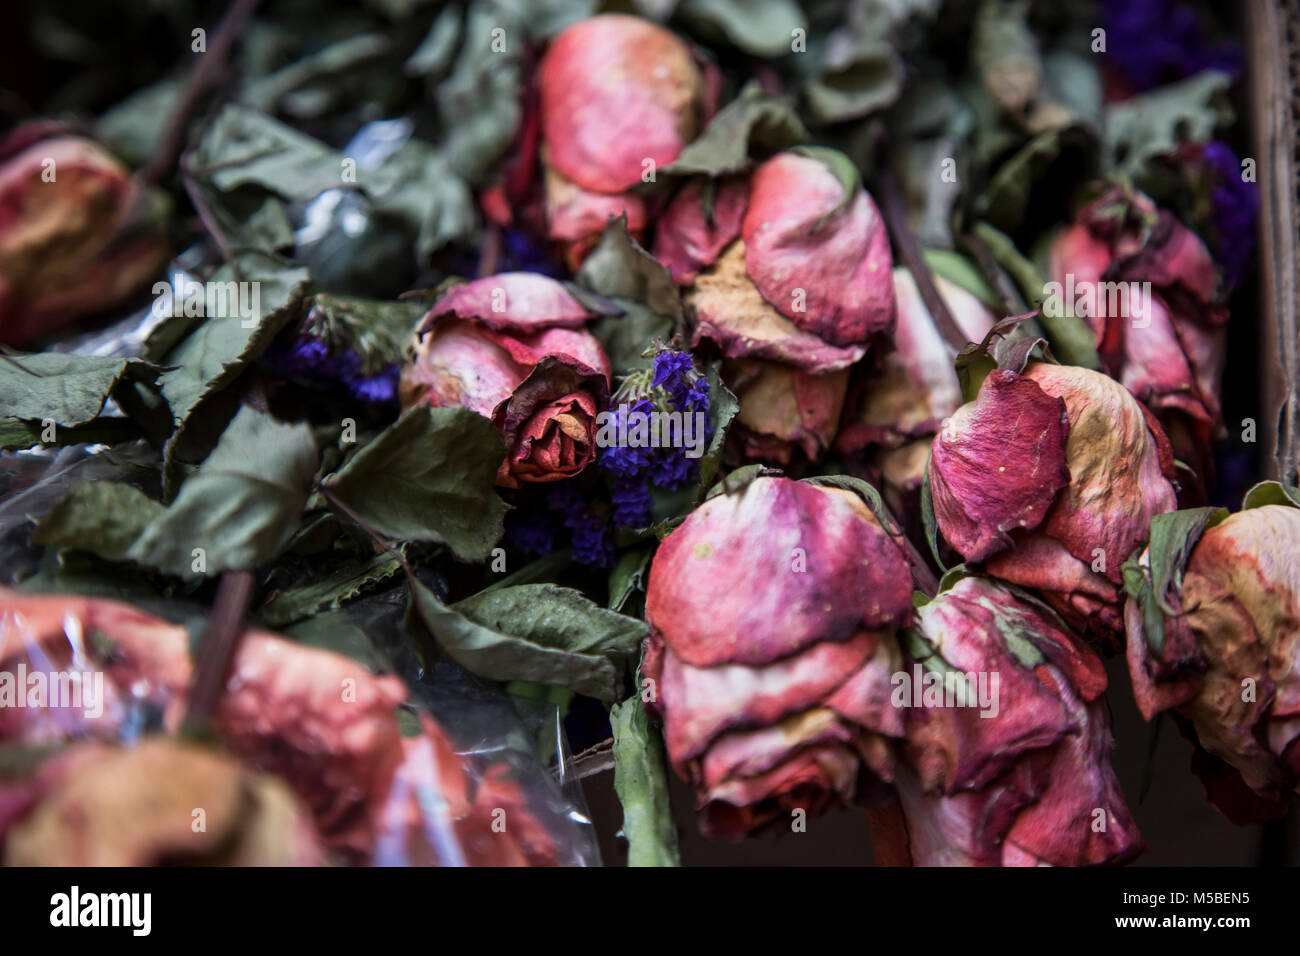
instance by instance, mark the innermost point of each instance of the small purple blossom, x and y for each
(1234, 207)
(591, 540)
(671, 469)
(311, 361)
(1151, 42)
(631, 504)
(532, 533)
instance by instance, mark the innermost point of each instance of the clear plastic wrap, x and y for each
(350, 764)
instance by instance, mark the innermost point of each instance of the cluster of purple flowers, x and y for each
(1152, 42)
(311, 360)
(1234, 207)
(674, 386)
(534, 525)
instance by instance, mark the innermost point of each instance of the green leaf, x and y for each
(750, 126)
(1271, 493)
(762, 27)
(723, 406)
(329, 592)
(929, 524)
(1070, 336)
(641, 782)
(540, 633)
(103, 517)
(961, 272)
(418, 186)
(66, 389)
(480, 101)
(241, 146)
(1005, 200)
(429, 477)
(628, 576)
(243, 505)
(217, 351)
(1173, 536)
(1152, 125)
(620, 270)
(15, 434)
(335, 632)
(973, 364)
(869, 78)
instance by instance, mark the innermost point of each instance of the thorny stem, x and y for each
(217, 649)
(202, 77)
(361, 523)
(891, 202)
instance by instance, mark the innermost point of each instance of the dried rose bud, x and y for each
(76, 235)
(772, 613)
(915, 386)
(619, 98)
(1051, 478)
(1006, 761)
(1149, 288)
(1223, 650)
(791, 267)
(512, 348)
(135, 807)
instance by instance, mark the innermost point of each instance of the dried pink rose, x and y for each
(512, 348)
(772, 613)
(1163, 341)
(1051, 478)
(76, 233)
(1007, 762)
(788, 271)
(1224, 654)
(619, 98)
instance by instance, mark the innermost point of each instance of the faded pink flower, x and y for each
(512, 348)
(1051, 478)
(1224, 654)
(772, 613)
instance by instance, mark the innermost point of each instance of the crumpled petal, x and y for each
(998, 463)
(832, 278)
(729, 309)
(689, 237)
(736, 556)
(517, 302)
(616, 91)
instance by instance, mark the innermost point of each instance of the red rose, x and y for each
(512, 348)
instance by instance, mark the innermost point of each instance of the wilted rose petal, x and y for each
(692, 234)
(616, 92)
(518, 302)
(998, 463)
(737, 556)
(831, 277)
